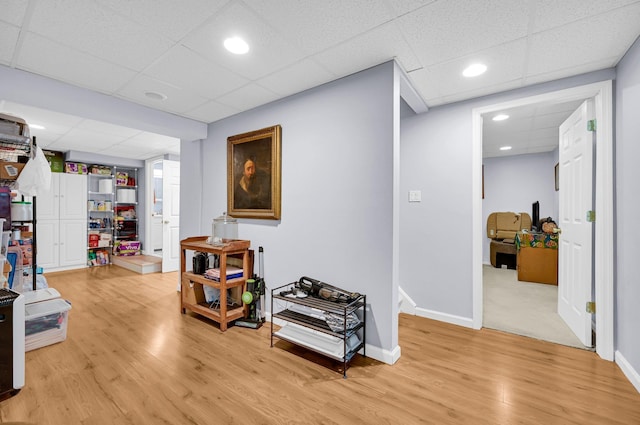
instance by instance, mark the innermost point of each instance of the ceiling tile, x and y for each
(448, 29)
(316, 25)
(400, 7)
(13, 11)
(553, 13)
(296, 78)
(87, 26)
(505, 64)
(374, 47)
(177, 101)
(268, 50)
(183, 68)
(248, 97)
(617, 31)
(152, 139)
(55, 122)
(211, 111)
(108, 129)
(44, 57)
(169, 17)
(8, 39)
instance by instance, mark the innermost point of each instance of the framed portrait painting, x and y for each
(253, 174)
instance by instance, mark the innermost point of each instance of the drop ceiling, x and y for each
(126, 48)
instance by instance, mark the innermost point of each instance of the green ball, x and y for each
(247, 297)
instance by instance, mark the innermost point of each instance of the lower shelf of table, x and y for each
(233, 313)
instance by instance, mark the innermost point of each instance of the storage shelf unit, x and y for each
(125, 206)
(192, 295)
(311, 317)
(99, 219)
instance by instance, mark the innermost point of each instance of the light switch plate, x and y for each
(415, 196)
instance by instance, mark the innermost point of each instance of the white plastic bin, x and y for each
(46, 323)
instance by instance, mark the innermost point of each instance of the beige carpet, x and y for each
(524, 308)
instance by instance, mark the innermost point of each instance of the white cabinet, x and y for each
(66, 198)
(62, 223)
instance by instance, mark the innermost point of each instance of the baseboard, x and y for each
(376, 353)
(405, 303)
(443, 317)
(632, 375)
(384, 356)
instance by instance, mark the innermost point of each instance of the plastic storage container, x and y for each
(46, 323)
(224, 227)
(21, 211)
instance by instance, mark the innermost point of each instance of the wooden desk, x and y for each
(192, 296)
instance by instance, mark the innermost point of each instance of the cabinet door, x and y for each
(73, 242)
(48, 203)
(48, 250)
(73, 196)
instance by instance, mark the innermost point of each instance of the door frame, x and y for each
(602, 92)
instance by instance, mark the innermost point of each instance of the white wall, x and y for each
(513, 183)
(337, 193)
(435, 235)
(627, 176)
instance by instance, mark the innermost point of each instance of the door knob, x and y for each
(166, 222)
(557, 230)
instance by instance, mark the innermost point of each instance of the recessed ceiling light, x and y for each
(236, 45)
(37, 126)
(474, 70)
(505, 148)
(155, 95)
(500, 117)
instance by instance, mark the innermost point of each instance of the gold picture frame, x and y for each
(254, 174)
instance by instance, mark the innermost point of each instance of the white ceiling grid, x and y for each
(126, 48)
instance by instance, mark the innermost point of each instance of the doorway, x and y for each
(163, 217)
(603, 259)
(518, 180)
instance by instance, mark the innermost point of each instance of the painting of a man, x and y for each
(253, 189)
(253, 182)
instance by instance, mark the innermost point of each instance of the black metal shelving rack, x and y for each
(343, 309)
(10, 148)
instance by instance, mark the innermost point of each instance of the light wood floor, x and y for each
(131, 358)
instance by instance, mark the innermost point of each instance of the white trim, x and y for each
(603, 94)
(409, 93)
(443, 317)
(384, 356)
(405, 303)
(148, 222)
(632, 375)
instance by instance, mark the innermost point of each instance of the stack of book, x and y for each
(232, 273)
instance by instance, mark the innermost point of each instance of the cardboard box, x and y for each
(76, 168)
(10, 170)
(55, 160)
(126, 248)
(538, 265)
(100, 169)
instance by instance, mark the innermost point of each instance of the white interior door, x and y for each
(170, 215)
(576, 199)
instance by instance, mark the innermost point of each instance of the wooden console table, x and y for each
(192, 294)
